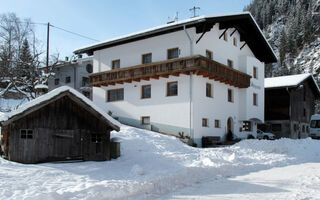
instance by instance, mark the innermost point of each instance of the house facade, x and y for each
(289, 104)
(198, 77)
(75, 74)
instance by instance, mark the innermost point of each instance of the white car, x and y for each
(315, 126)
(265, 135)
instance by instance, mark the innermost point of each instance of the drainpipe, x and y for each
(190, 85)
(190, 40)
(190, 106)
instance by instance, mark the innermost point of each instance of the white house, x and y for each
(74, 74)
(198, 77)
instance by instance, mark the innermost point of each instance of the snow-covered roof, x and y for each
(250, 25)
(288, 81)
(54, 93)
(41, 86)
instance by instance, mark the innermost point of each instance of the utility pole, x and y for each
(47, 62)
(194, 10)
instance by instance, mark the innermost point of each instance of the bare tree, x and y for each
(20, 63)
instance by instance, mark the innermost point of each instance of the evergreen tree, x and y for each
(282, 46)
(25, 61)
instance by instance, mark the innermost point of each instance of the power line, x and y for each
(74, 33)
(45, 24)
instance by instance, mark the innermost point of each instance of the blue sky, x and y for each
(105, 19)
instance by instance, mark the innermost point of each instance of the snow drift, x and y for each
(151, 164)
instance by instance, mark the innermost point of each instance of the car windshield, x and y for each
(315, 124)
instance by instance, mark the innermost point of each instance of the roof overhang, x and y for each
(244, 23)
(310, 78)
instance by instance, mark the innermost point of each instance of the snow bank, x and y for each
(150, 165)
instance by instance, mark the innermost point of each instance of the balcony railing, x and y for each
(199, 65)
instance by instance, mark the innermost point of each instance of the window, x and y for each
(172, 88)
(217, 123)
(146, 58)
(173, 53)
(230, 95)
(146, 91)
(276, 127)
(303, 129)
(255, 99)
(246, 126)
(225, 36)
(86, 94)
(209, 54)
(315, 124)
(304, 112)
(230, 63)
(96, 138)
(235, 42)
(26, 134)
(255, 75)
(208, 90)
(85, 81)
(89, 68)
(204, 122)
(68, 79)
(115, 95)
(145, 120)
(56, 81)
(304, 94)
(295, 127)
(116, 64)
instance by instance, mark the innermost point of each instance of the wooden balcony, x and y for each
(199, 65)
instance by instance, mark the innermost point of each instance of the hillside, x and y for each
(292, 28)
(153, 165)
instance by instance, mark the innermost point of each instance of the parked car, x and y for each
(265, 135)
(315, 126)
(256, 135)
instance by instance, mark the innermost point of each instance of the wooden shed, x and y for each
(289, 104)
(60, 125)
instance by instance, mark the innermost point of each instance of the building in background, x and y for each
(289, 104)
(74, 74)
(200, 77)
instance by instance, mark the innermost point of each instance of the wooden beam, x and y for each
(155, 77)
(233, 32)
(146, 78)
(223, 33)
(201, 37)
(243, 46)
(175, 74)
(164, 76)
(136, 79)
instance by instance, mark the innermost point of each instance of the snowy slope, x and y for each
(151, 165)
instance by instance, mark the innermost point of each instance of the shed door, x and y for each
(67, 145)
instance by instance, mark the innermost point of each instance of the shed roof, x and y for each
(54, 93)
(244, 23)
(289, 81)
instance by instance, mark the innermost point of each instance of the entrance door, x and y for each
(230, 125)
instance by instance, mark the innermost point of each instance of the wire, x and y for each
(74, 33)
(45, 24)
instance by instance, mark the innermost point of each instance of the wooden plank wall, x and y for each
(57, 132)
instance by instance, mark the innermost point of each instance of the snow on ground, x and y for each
(153, 165)
(300, 181)
(9, 104)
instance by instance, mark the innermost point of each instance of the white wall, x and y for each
(175, 111)
(130, 54)
(172, 110)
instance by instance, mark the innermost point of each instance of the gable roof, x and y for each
(244, 23)
(64, 90)
(289, 81)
